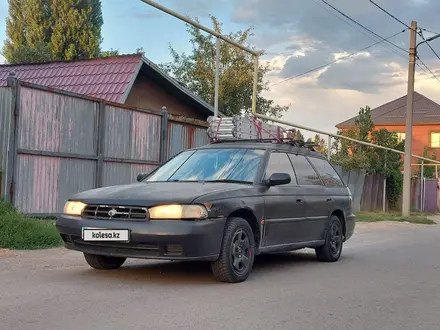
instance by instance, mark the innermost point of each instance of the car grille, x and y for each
(108, 212)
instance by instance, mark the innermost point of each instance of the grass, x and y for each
(417, 218)
(18, 232)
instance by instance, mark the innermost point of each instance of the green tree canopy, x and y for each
(353, 155)
(45, 30)
(196, 71)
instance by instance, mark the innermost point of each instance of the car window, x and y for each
(305, 173)
(212, 165)
(163, 172)
(327, 172)
(280, 163)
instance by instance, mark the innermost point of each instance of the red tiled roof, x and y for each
(107, 78)
(394, 112)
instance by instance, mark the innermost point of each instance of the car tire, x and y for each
(103, 262)
(332, 248)
(237, 253)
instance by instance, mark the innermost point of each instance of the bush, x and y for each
(19, 232)
(394, 187)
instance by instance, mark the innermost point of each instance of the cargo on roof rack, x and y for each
(250, 129)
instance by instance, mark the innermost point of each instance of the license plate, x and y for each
(101, 234)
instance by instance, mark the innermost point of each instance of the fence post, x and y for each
(421, 185)
(14, 83)
(329, 148)
(163, 135)
(384, 194)
(100, 143)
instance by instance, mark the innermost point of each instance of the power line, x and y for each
(391, 15)
(374, 33)
(432, 73)
(429, 45)
(355, 27)
(430, 31)
(364, 27)
(339, 59)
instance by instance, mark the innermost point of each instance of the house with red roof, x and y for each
(392, 116)
(128, 79)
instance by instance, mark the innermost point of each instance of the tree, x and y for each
(108, 53)
(353, 155)
(45, 30)
(27, 29)
(196, 71)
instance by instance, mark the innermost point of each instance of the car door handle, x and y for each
(299, 200)
(329, 200)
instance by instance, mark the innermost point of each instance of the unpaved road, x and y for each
(388, 278)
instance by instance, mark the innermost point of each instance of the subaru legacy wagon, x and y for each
(224, 203)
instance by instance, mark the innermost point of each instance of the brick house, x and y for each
(391, 116)
(128, 79)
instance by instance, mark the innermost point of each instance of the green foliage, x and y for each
(21, 233)
(390, 216)
(394, 186)
(47, 30)
(108, 53)
(429, 170)
(352, 155)
(196, 71)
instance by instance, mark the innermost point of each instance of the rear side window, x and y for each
(327, 172)
(305, 173)
(280, 163)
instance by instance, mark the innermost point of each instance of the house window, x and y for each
(435, 140)
(401, 136)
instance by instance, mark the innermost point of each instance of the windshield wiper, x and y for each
(229, 181)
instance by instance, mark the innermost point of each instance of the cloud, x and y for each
(193, 8)
(314, 20)
(361, 73)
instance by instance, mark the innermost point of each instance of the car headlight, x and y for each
(174, 212)
(74, 208)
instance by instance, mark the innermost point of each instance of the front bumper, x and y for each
(350, 223)
(161, 239)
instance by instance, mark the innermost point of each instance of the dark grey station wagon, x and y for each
(224, 203)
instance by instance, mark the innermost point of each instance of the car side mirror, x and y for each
(277, 179)
(141, 176)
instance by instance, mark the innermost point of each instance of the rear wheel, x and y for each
(103, 262)
(332, 248)
(237, 253)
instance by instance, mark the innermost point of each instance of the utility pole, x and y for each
(406, 198)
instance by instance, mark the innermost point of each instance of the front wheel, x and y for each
(103, 262)
(237, 253)
(332, 248)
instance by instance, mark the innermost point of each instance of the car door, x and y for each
(316, 198)
(283, 205)
(335, 188)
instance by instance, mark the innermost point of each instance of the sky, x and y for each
(297, 36)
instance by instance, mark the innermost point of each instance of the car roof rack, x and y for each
(250, 129)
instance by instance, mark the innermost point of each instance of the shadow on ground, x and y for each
(195, 272)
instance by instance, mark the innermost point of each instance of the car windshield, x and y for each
(233, 165)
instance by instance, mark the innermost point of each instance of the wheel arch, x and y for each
(341, 217)
(248, 215)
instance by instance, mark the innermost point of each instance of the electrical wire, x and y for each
(339, 59)
(391, 15)
(356, 27)
(430, 71)
(421, 34)
(364, 27)
(429, 31)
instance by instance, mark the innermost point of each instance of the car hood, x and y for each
(153, 193)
